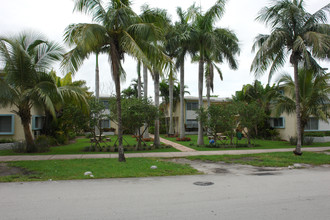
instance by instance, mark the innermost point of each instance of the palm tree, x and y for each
(117, 31)
(183, 42)
(313, 95)
(27, 57)
(211, 44)
(295, 33)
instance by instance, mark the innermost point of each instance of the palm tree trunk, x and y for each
(121, 155)
(208, 94)
(145, 95)
(156, 84)
(97, 86)
(171, 82)
(139, 83)
(200, 140)
(25, 115)
(97, 77)
(30, 147)
(297, 151)
(182, 128)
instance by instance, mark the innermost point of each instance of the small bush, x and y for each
(7, 140)
(315, 134)
(42, 144)
(183, 139)
(89, 135)
(306, 141)
(293, 140)
(19, 147)
(147, 139)
(71, 135)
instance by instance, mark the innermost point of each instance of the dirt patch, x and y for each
(6, 170)
(247, 159)
(221, 170)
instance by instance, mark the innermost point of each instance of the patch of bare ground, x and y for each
(222, 168)
(6, 170)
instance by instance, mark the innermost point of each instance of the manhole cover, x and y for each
(203, 183)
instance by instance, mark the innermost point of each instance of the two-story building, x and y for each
(190, 116)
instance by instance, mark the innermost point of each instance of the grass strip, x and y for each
(260, 144)
(100, 168)
(269, 159)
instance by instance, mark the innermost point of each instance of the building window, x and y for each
(191, 123)
(6, 124)
(105, 123)
(37, 122)
(277, 122)
(192, 106)
(105, 103)
(281, 91)
(312, 124)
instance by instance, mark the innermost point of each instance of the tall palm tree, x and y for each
(296, 34)
(27, 57)
(117, 31)
(159, 18)
(210, 42)
(182, 39)
(313, 95)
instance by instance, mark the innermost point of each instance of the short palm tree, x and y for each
(295, 34)
(313, 95)
(27, 57)
(117, 31)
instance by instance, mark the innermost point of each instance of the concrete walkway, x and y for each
(156, 154)
(175, 145)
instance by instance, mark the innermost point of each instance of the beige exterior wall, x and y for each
(289, 129)
(18, 128)
(187, 114)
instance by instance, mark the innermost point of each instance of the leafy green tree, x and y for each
(297, 34)
(220, 119)
(250, 115)
(313, 95)
(27, 57)
(135, 113)
(117, 30)
(263, 96)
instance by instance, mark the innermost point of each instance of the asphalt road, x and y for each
(285, 194)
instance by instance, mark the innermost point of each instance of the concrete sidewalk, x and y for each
(156, 154)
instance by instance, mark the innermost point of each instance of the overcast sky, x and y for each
(52, 17)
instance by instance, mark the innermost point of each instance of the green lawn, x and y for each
(78, 146)
(260, 144)
(100, 168)
(269, 159)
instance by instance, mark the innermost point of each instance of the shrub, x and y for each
(184, 139)
(19, 147)
(315, 134)
(306, 141)
(71, 135)
(89, 135)
(42, 144)
(5, 140)
(147, 139)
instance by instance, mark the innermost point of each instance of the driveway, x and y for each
(236, 192)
